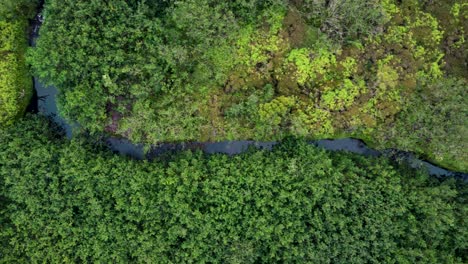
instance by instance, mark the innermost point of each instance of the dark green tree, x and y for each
(71, 202)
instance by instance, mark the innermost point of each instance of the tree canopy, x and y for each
(390, 72)
(65, 201)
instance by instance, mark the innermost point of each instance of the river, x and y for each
(44, 101)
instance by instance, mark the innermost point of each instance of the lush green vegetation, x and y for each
(393, 73)
(15, 80)
(65, 201)
(436, 124)
(158, 71)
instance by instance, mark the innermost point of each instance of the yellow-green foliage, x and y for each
(405, 54)
(312, 121)
(15, 83)
(238, 57)
(390, 8)
(460, 13)
(256, 46)
(387, 99)
(274, 111)
(413, 23)
(387, 77)
(342, 95)
(310, 64)
(418, 33)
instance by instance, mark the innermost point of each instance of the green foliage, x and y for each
(15, 81)
(136, 70)
(452, 16)
(64, 202)
(263, 44)
(17, 10)
(387, 101)
(84, 59)
(276, 109)
(310, 64)
(159, 71)
(272, 115)
(312, 121)
(343, 97)
(435, 124)
(345, 20)
(419, 32)
(245, 59)
(250, 106)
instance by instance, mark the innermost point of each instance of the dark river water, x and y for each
(46, 104)
(44, 101)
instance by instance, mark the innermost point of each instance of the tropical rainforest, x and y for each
(391, 73)
(70, 202)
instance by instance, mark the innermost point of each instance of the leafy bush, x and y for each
(15, 81)
(63, 202)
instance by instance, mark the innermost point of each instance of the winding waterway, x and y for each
(44, 101)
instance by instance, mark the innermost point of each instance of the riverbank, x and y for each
(46, 104)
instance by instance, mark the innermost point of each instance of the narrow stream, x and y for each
(44, 102)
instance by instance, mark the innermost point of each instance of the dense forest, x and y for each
(68, 201)
(393, 73)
